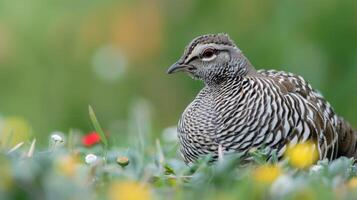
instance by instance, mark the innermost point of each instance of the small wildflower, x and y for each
(302, 155)
(91, 139)
(68, 164)
(129, 190)
(57, 138)
(90, 158)
(267, 173)
(352, 183)
(123, 161)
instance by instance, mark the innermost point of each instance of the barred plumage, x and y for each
(241, 109)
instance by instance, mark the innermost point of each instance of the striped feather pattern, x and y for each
(269, 110)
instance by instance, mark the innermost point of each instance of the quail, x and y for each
(240, 108)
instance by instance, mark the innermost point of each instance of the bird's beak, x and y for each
(180, 67)
(176, 67)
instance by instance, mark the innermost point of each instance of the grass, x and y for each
(151, 169)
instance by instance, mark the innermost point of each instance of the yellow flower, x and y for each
(129, 190)
(14, 130)
(68, 164)
(302, 155)
(352, 184)
(267, 173)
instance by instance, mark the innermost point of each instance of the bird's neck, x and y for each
(223, 83)
(235, 71)
(244, 67)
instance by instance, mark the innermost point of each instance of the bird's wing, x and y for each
(320, 116)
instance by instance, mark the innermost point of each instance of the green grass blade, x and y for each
(97, 126)
(32, 149)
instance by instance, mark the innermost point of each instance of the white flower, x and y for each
(91, 158)
(56, 137)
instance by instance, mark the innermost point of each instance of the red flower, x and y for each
(90, 139)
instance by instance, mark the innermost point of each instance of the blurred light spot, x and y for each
(109, 63)
(170, 134)
(283, 185)
(138, 30)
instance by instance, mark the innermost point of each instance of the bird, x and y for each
(241, 109)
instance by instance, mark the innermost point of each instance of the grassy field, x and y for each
(99, 166)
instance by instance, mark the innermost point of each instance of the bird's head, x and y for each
(212, 58)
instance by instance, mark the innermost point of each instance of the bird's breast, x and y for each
(196, 128)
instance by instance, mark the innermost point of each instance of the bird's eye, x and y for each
(208, 53)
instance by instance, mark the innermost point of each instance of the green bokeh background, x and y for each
(48, 50)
